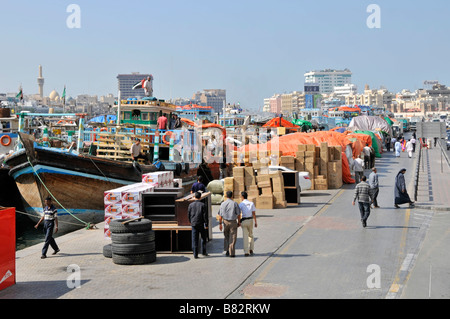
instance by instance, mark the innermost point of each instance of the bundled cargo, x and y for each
(124, 202)
(159, 179)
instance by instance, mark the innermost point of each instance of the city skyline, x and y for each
(251, 49)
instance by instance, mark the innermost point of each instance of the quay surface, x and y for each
(316, 250)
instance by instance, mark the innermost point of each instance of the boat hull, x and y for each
(78, 197)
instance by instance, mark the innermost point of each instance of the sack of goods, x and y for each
(216, 189)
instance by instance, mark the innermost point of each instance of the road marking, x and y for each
(294, 238)
(395, 287)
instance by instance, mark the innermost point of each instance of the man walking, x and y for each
(409, 148)
(358, 167)
(363, 198)
(50, 219)
(366, 151)
(229, 215)
(374, 187)
(198, 217)
(248, 216)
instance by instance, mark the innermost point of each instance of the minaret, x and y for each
(40, 81)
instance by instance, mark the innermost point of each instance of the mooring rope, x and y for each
(88, 225)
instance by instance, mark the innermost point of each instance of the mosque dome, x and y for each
(54, 96)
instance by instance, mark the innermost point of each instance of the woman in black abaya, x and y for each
(401, 195)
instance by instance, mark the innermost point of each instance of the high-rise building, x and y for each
(126, 83)
(216, 98)
(328, 79)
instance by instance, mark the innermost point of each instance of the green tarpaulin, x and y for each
(303, 123)
(374, 141)
(387, 119)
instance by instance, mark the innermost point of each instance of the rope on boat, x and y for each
(32, 215)
(88, 225)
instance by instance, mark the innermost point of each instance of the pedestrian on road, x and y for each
(229, 214)
(364, 200)
(372, 157)
(374, 187)
(248, 216)
(401, 195)
(393, 141)
(358, 167)
(198, 217)
(398, 148)
(366, 151)
(388, 144)
(50, 219)
(413, 141)
(409, 148)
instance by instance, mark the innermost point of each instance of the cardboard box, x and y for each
(279, 205)
(309, 154)
(114, 196)
(278, 197)
(310, 147)
(239, 171)
(287, 159)
(133, 195)
(301, 148)
(266, 191)
(249, 171)
(300, 156)
(264, 202)
(300, 166)
(310, 160)
(320, 187)
(249, 180)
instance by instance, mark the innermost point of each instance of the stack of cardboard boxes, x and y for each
(265, 189)
(125, 202)
(323, 163)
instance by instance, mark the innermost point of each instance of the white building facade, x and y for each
(328, 79)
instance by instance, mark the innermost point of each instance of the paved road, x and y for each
(335, 257)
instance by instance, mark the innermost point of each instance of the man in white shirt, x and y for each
(248, 215)
(358, 167)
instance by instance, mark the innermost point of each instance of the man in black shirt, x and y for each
(198, 217)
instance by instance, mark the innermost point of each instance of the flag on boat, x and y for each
(139, 85)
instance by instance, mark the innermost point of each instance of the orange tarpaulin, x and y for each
(275, 122)
(288, 145)
(349, 109)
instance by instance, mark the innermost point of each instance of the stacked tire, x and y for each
(132, 243)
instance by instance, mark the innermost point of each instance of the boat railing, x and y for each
(115, 143)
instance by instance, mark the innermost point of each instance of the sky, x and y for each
(250, 48)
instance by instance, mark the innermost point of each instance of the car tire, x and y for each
(107, 251)
(135, 226)
(137, 259)
(133, 238)
(133, 249)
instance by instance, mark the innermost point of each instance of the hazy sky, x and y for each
(252, 49)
